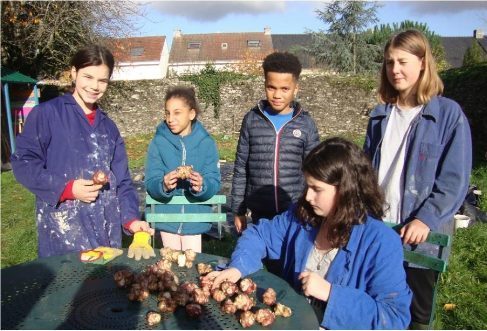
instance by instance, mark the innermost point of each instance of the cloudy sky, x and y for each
(446, 18)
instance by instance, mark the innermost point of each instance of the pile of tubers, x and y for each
(159, 279)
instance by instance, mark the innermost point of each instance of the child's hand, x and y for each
(170, 181)
(196, 181)
(137, 226)
(240, 222)
(414, 232)
(84, 190)
(314, 285)
(230, 274)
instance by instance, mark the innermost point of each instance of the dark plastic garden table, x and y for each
(63, 293)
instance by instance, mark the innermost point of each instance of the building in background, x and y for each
(293, 43)
(140, 58)
(190, 53)
(456, 47)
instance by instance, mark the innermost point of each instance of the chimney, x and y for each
(478, 34)
(267, 30)
(177, 33)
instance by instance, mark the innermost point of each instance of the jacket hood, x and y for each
(191, 141)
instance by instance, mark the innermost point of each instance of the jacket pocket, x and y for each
(428, 158)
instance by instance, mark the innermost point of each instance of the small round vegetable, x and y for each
(100, 178)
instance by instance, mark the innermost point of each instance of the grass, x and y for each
(464, 284)
(19, 235)
(137, 148)
(479, 178)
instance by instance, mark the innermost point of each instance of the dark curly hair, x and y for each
(339, 162)
(282, 63)
(186, 93)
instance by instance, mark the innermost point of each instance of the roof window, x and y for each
(253, 43)
(194, 45)
(224, 45)
(136, 51)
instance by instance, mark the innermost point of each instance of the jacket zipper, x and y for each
(183, 162)
(276, 154)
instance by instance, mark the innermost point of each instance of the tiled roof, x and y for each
(218, 47)
(138, 49)
(483, 43)
(455, 48)
(286, 42)
(290, 43)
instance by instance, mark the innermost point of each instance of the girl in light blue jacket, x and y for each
(332, 245)
(181, 140)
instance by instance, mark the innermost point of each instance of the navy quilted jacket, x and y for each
(267, 174)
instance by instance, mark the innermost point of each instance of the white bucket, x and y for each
(461, 221)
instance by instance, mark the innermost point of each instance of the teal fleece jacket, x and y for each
(166, 152)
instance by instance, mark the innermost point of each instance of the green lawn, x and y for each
(464, 284)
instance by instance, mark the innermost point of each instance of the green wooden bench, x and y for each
(436, 263)
(215, 217)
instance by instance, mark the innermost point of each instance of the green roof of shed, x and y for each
(10, 76)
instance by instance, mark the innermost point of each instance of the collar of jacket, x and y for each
(69, 99)
(198, 133)
(355, 237)
(432, 109)
(263, 104)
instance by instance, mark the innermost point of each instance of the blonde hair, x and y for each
(429, 83)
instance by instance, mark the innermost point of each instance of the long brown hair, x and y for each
(339, 162)
(429, 83)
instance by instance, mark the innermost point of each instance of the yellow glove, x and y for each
(140, 246)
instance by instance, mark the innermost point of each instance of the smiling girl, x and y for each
(65, 141)
(420, 144)
(334, 248)
(181, 140)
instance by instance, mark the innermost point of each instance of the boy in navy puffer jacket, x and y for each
(275, 137)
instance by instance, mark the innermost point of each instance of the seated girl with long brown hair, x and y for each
(333, 245)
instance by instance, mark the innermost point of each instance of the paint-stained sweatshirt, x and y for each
(58, 144)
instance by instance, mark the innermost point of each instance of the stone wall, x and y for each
(337, 107)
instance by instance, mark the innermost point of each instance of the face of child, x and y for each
(280, 90)
(320, 195)
(403, 70)
(90, 84)
(179, 116)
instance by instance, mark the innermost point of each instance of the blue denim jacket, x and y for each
(438, 162)
(368, 281)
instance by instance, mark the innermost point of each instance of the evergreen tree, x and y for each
(475, 54)
(380, 34)
(343, 46)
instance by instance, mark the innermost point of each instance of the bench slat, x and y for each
(193, 218)
(183, 200)
(219, 217)
(434, 238)
(429, 262)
